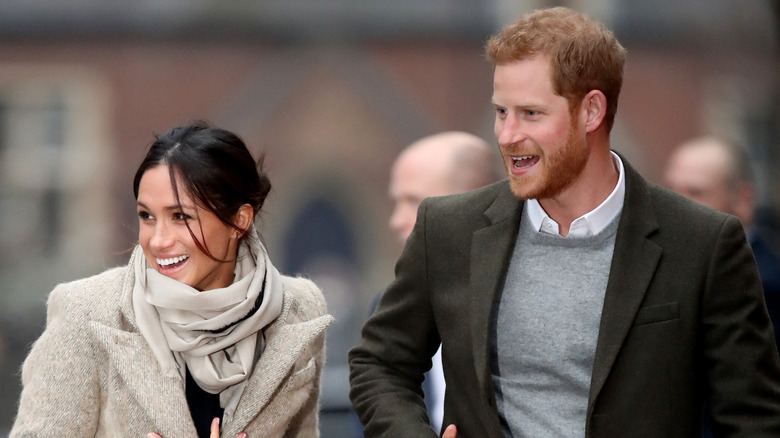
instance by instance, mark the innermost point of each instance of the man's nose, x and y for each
(511, 131)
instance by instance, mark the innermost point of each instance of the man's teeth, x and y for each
(518, 161)
(170, 261)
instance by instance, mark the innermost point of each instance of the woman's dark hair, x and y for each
(215, 168)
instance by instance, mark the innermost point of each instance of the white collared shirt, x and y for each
(592, 222)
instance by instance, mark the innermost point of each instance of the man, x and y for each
(717, 173)
(574, 299)
(441, 164)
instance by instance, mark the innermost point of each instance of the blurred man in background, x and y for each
(437, 165)
(441, 164)
(717, 173)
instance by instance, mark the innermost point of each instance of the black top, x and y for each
(204, 406)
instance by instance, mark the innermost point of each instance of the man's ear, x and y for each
(594, 108)
(243, 219)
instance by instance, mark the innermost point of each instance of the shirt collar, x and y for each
(592, 222)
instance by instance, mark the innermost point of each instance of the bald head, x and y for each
(715, 173)
(441, 164)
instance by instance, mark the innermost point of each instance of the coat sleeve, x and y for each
(739, 352)
(387, 367)
(60, 395)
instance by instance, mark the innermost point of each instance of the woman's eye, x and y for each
(179, 216)
(144, 216)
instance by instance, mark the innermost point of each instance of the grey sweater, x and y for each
(544, 336)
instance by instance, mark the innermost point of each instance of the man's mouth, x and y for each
(523, 161)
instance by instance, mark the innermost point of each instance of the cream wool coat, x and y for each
(92, 374)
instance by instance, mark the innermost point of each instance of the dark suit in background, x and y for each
(768, 264)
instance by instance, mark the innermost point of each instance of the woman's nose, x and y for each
(162, 237)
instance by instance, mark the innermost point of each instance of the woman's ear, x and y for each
(243, 219)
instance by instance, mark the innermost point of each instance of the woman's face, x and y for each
(168, 246)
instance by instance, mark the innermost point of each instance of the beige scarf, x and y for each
(215, 332)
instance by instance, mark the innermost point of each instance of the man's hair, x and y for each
(585, 54)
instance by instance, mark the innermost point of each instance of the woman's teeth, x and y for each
(171, 261)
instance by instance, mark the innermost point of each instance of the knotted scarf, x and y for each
(214, 332)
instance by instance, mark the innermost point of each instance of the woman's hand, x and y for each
(450, 432)
(215, 431)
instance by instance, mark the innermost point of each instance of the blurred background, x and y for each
(331, 91)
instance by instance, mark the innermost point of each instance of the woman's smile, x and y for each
(170, 265)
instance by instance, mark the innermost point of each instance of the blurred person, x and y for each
(574, 298)
(441, 164)
(717, 173)
(199, 331)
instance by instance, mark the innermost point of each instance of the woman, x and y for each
(198, 330)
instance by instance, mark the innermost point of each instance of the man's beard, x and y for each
(560, 169)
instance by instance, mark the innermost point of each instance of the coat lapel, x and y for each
(491, 251)
(634, 262)
(162, 397)
(285, 344)
(133, 363)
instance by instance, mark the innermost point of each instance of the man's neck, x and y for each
(591, 188)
